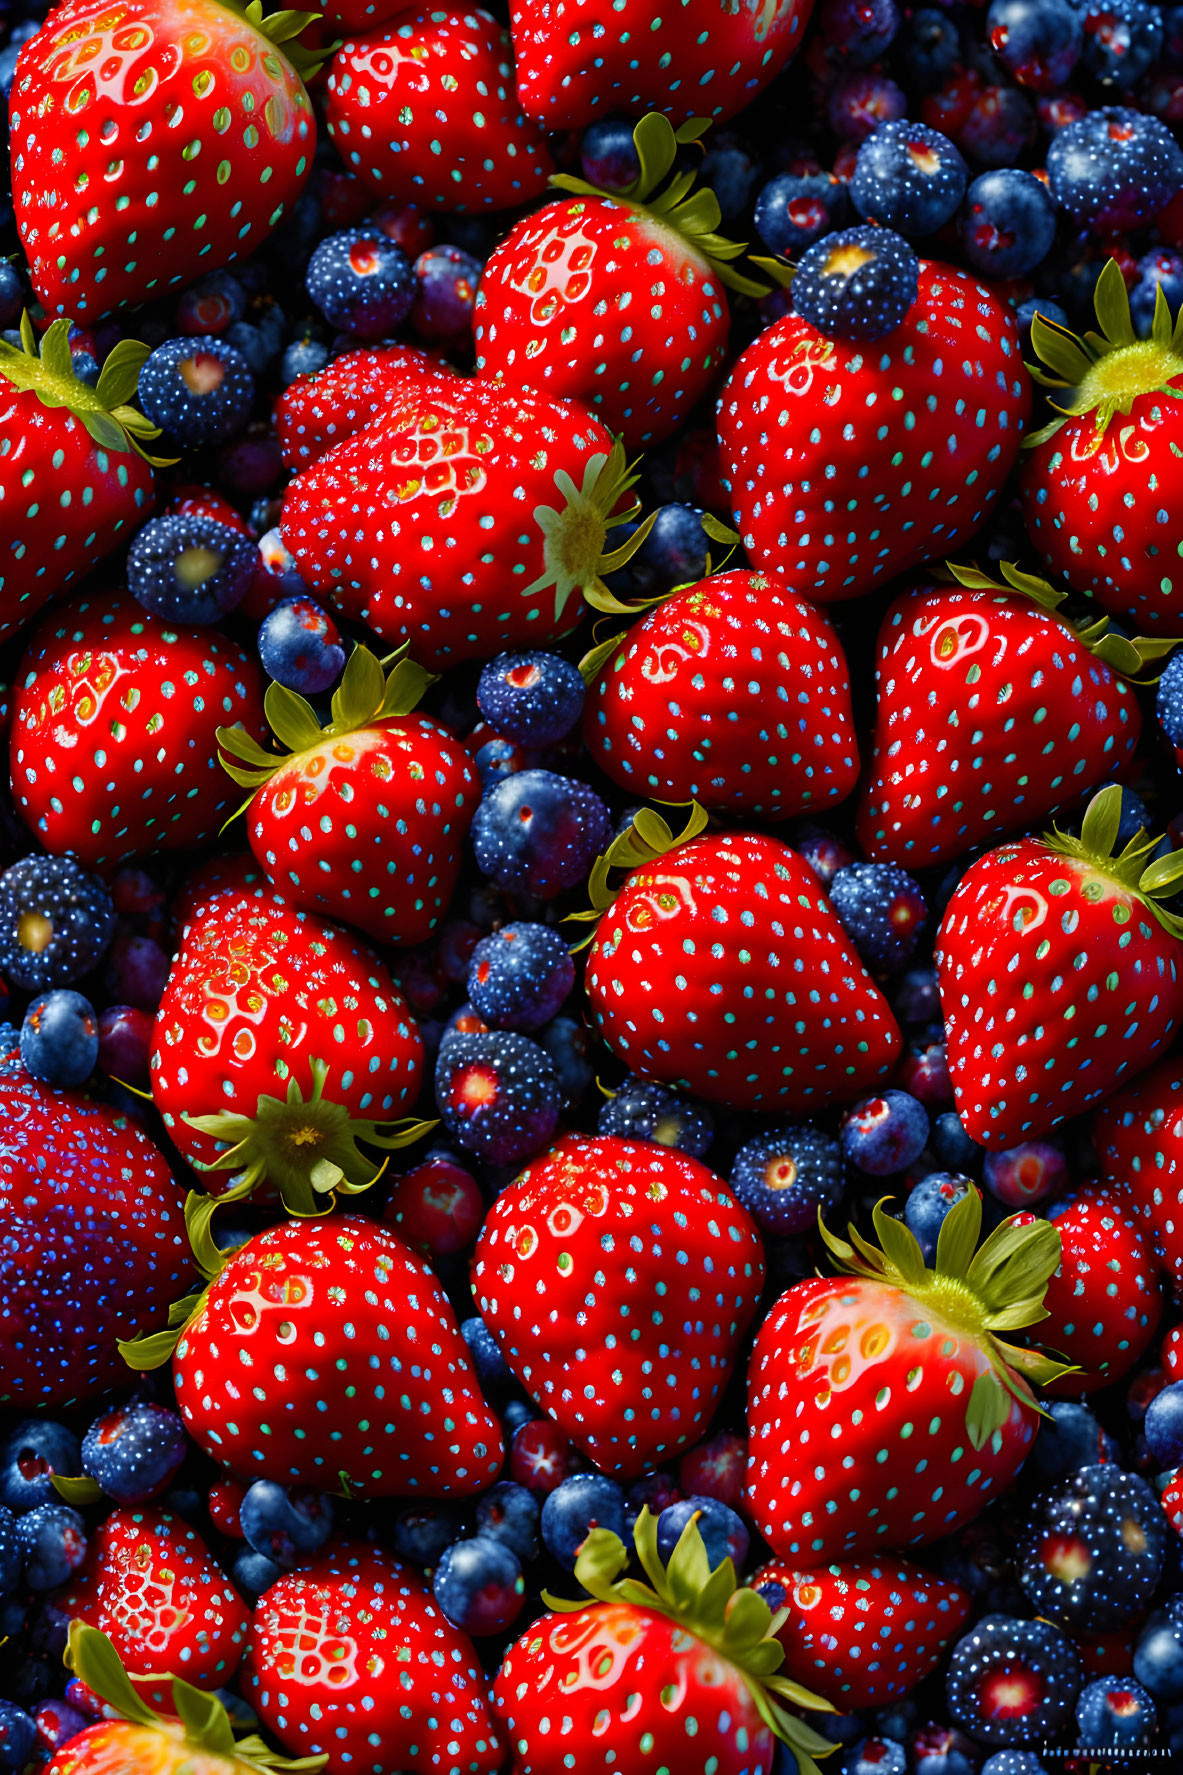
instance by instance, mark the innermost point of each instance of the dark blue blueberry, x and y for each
(1038, 42)
(303, 357)
(857, 284)
(285, 1523)
(576, 1506)
(1122, 40)
(1163, 1426)
(11, 1558)
(861, 101)
(493, 1371)
(1114, 169)
(518, 977)
(515, 1413)
(882, 911)
(211, 305)
(908, 177)
(1024, 315)
(1092, 1554)
(446, 280)
(498, 1094)
(362, 283)
(1158, 1659)
(254, 1573)
(876, 1756)
(1161, 268)
(1168, 703)
(885, 1134)
(1135, 816)
(60, 1038)
(730, 170)
(1013, 1762)
(278, 563)
(857, 32)
(478, 1585)
(31, 1454)
(937, 1749)
(785, 1178)
(300, 646)
(645, 1110)
(822, 849)
(723, 1533)
(56, 920)
(1013, 1682)
(12, 294)
(18, 1736)
(535, 698)
(52, 1541)
(608, 155)
(499, 758)
(422, 1533)
(259, 340)
(929, 48)
(199, 391)
(510, 1513)
(1036, 1171)
(569, 1046)
(190, 569)
(538, 833)
(1069, 1438)
(674, 552)
(135, 1451)
(928, 1203)
(796, 208)
(952, 1147)
(1009, 223)
(1115, 1710)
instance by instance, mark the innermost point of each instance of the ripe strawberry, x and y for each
(734, 693)
(720, 967)
(1059, 975)
(1139, 1139)
(578, 62)
(352, 1652)
(152, 1586)
(688, 1661)
(115, 718)
(94, 1239)
(315, 412)
(72, 454)
(993, 712)
(850, 464)
(424, 111)
(848, 1369)
(265, 998)
(376, 782)
(864, 1633)
(154, 147)
(616, 301)
(435, 525)
(360, 1380)
(689, 1264)
(1101, 484)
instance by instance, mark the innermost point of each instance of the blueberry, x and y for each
(1168, 705)
(56, 920)
(362, 283)
(952, 1147)
(300, 647)
(1009, 223)
(12, 294)
(254, 1573)
(1013, 1762)
(885, 1134)
(1069, 1438)
(576, 1506)
(908, 177)
(1012, 1682)
(60, 1038)
(1026, 311)
(929, 1201)
(535, 698)
(283, 577)
(1122, 40)
(538, 833)
(11, 1557)
(644, 1110)
(1038, 42)
(999, 126)
(1161, 268)
(1163, 1426)
(858, 32)
(674, 552)
(135, 1451)
(498, 1094)
(493, 1371)
(860, 102)
(499, 758)
(882, 911)
(478, 1585)
(190, 569)
(285, 1523)
(446, 280)
(608, 155)
(569, 1046)
(303, 357)
(786, 1178)
(52, 1541)
(1093, 1551)
(30, 1456)
(929, 48)
(518, 977)
(1034, 1172)
(1115, 1710)
(510, 1513)
(730, 170)
(795, 209)
(422, 1533)
(1114, 169)
(199, 391)
(212, 304)
(18, 1736)
(723, 1533)
(1158, 1659)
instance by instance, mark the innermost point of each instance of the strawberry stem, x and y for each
(103, 410)
(283, 30)
(575, 532)
(648, 838)
(1131, 869)
(1129, 658)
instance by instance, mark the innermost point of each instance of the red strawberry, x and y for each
(883, 1408)
(152, 1586)
(377, 782)
(116, 712)
(74, 481)
(850, 464)
(720, 967)
(424, 111)
(578, 61)
(686, 1664)
(351, 1653)
(281, 1041)
(863, 1634)
(315, 412)
(734, 693)
(94, 1240)
(325, 1353)
(1059, 975)
(463, 525)
(993, 713)
(1101, 485)
(1139, 1138)
(607, 1233)
(153, 146)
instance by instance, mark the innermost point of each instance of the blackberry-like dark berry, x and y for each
(519, 977)
(908, 177)
(1094, 1551)
(882, 911)
(534, 698)
(644, 1110)
(498, 1094)
(56, 920)
(1013, 1682)
(199, 391)
(784, 1178)
(190, 569)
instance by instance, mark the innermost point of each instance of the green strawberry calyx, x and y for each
(1105, 373)
(607, 601)
(981, 1291)
(731, 1618)
(1125, 656)
(1130, 870)
(694, 215)
(575, 531)
(200, 1722)
(648, 838)
(103, 411)
(283, 30)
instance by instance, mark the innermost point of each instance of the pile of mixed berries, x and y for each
(591, 887)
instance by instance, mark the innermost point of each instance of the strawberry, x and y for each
(578, 61)
(115, 719)
(993, 712)
(424, 111)
(864, 1633)
(1139, 1139)
(616, 300)
(463, 524)
(848, 1369)
(263, 997)
(360, 1380)
(733, 692)
(1102, 481)
(130, 173)
(352, 1652)
(720, 967)
(850, 464)
(376, 781)
(94, 1239)
(152, 1586)
(1059, 975)
(315, 412)
(688, 1662)
(690, 1261)
(72, 454)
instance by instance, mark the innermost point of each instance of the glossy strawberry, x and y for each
(424, 111)
(115, 717)
(733, 693)
(609, 1236)
(864, 1633)
(1139, 1140)
(351, 1655)
(153, 144)
(315, 412)
(848, 465)
(883, 1408)
(1060, 975)
(719, 966)
(365, 819)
